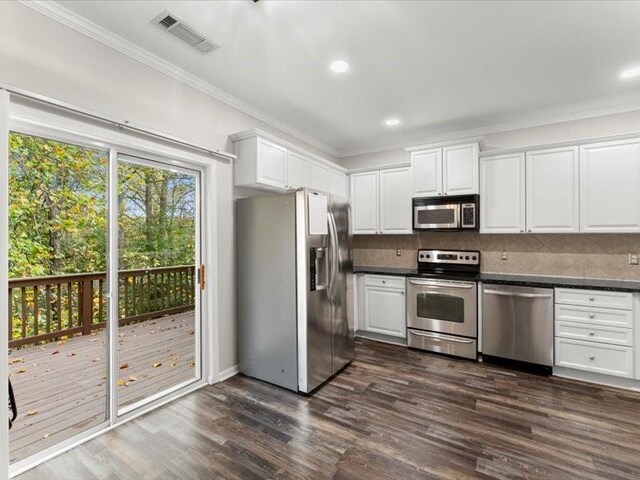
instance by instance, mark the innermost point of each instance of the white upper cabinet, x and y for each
(427, 172)
(298, 171)
(338, 183)
(395, 200)
(319, 177)
(272, 167)
(265, 162)
(502, 194)
(381, 201)
(460, 169)
(552, 191)
(610, 187)
(364, 202)
(450, 170)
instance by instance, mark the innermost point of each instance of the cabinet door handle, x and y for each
(592, 357)
(591, 299)
(592, 316)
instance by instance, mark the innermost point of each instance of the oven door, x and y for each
(426, 217)
(444, 306)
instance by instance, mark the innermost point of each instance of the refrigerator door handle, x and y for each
(334, 254)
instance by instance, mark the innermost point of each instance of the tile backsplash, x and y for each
(570, 255)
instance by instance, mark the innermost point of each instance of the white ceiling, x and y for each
(441, 67)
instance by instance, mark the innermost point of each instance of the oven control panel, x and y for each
(451, 257)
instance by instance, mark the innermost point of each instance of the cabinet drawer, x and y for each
(595, 333)
(594, 316)
(595, 298)
(384, 281)
(594, 357)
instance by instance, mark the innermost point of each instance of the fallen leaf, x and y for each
(15, 360)
(122, 383)
(46, 435)
(156, 365)
(71, 354)
(43, 348)
(31, 413)
(35, 364)
(97, 359)
(93, 340)
(172, 364)
(55, 352)
(104, 376)
(192, 365)
(132, 378)
(22, 370)
(191, 332)
(62, 342)
(123, 366)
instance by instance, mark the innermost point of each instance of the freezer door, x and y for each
(341, 283)
(314, 308)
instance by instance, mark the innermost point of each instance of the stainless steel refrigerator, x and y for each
(294, 288)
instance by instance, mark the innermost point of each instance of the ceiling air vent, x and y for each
(173, 26)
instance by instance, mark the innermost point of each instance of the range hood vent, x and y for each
(176, 27)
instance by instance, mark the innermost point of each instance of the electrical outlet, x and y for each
(633, 259)
(399, 252)
(504, 256)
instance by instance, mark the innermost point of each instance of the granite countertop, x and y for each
(522, 280)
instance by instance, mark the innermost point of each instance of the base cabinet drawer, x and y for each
(384, 281)
(598, 316)
(595, 333)
(594, 357)
(594, 298)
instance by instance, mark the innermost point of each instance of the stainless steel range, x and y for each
(442, 302)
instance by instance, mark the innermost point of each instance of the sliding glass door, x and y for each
(104, 288)
(158, 295)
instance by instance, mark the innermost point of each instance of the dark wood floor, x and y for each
(392, 414)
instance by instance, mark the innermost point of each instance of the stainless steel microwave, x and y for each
(446, 213)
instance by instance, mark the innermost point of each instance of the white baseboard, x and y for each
(228, 373)
(600, 379)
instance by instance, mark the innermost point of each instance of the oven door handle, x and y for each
(442, 284)
(435, 336)
(514, 294)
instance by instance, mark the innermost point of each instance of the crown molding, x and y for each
(256, 132)
(461, 135)
(478, 140)
(92, 30)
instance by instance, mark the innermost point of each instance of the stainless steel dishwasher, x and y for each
(517, 323)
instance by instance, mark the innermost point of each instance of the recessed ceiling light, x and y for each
(631, 72)
(392, 122)
(339, 66)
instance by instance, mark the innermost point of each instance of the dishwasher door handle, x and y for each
(515, 294)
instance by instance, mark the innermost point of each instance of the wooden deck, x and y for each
(61, 387)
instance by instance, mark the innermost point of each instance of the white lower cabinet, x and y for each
(594, 331)
(384, 305)
(594, 357)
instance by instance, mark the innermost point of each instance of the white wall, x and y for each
(46, 57)
(576, 130)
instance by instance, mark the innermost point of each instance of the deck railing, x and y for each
(47, 308)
